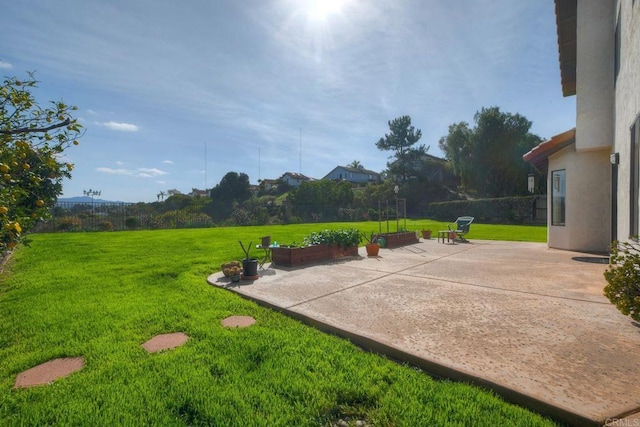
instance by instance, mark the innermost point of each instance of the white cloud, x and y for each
(119, 163)
(115, 171)
(119, 126)
(140, 172)
(150, 172)
(168, 162)
(5, 64)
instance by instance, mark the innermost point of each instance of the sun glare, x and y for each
(320, 10)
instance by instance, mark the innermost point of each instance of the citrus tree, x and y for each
(32, 167)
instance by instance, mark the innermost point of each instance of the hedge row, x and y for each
(507, 210)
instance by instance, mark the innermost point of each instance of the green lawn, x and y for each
(100, 295)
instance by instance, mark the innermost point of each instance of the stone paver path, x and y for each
(238, 321)
(48, 372)
(165, 342)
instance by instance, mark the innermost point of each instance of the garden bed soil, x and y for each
(292, 257)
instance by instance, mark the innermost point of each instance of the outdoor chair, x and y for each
(461, 227)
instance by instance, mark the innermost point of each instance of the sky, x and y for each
(175, 94)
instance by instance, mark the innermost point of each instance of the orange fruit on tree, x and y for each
(39, 203)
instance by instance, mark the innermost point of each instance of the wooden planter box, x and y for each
(395, 240)
(292, 257)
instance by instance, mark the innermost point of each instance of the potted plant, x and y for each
(426, 234)
(232, 270)
(249, 265)
(372, 246)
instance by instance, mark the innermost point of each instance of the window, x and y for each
(634, 179)
(558, 193)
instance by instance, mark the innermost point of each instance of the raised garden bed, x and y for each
(395, 240)
(294, 256)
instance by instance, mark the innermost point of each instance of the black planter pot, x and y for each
(250, 267)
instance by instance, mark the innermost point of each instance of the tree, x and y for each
(321, 198)
(356, 165)
(32, 141)
(233, 189)
(488, 158)
(233, 186)
(400, 139)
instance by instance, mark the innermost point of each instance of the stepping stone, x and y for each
(48, 372)
(238, 321)
(165, 342)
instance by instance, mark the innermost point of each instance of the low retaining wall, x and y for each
(395, 240)
(291, 257)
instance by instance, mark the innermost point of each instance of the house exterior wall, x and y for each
(586, 163)
(292, 181)
(594, 74)
(587, 203)
(627, 104)
(339, 173)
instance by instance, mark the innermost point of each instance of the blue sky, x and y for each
(271, 86)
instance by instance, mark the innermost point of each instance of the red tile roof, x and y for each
(539, 154)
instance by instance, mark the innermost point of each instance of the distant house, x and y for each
(357, 175)
(198, 193)
(294, 179)
(593, 169)
(268, 184)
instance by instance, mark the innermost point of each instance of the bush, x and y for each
(132, 223)
(345, 238)
(199, 220)
(105, 226)
(623, 276)
(69, 223)
(506, 210)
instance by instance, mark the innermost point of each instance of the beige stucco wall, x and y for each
(627, 103)
(587, 206)
(594, 74)
(586, 163)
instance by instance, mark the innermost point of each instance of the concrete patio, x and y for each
(529, 322)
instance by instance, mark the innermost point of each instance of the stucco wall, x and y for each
(627, 103)
(595, 70)
(587, 215)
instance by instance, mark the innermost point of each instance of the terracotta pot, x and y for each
(373, 249)
(426, 234)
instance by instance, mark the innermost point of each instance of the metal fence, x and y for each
(68, 216)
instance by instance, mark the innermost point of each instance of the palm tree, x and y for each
(161, 195)
(355, 164)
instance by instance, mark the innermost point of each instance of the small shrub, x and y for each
(132, 223)
(105, 226)
(345, 238)
(623, 277)
(69, 223)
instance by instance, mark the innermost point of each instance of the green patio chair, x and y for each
(461, 227)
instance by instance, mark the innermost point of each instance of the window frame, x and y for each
(559, 195)
(634, 179)
(616, 51)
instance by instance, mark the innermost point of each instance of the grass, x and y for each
(100, 295)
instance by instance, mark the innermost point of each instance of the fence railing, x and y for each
(68, 216)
